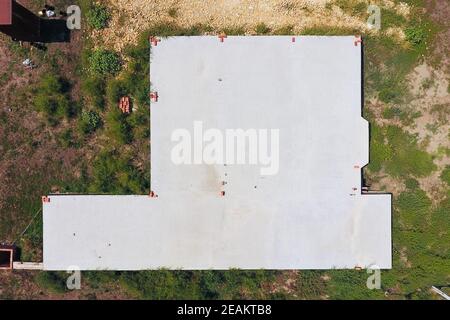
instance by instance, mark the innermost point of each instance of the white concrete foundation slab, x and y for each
(310, 214)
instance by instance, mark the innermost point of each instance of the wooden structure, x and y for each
(21, 24)
(124, 105)
(18, 22)
(7, 253)
(28, 265)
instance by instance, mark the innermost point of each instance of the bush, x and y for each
(104, 62)
(118, 128)
(51, 97)
(261, 28)
(114, 91)
(89, 122)
(115, 174)
(284, 31)
(94, 92)
(98, 16)
(137, 78)
(411, 184)
(66, 138)
(392, 112)
(172, 12)
(207, 284)
(53, 281)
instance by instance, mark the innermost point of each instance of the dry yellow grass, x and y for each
(131, 17)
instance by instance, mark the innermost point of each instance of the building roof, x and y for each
(5, 12)
(311, 214)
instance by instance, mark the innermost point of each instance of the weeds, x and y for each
(98, 16)
(104, 62)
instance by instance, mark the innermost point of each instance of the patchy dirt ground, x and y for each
(439, 11)
(32, 160)
(22, 285)
(428, 88)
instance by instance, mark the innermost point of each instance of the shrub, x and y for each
(415, 35)
(94, 92)
(89, 122)
(389, 94)
(392, 112)
(66, 138)
(53, 281)
(230, 284)
(104, 62)
(113, 173)
(118, 128)
(172, 12)
(283, 31)
(137, 79)
(411, 184)
(115, 90)
(261, 28)
(98, 16)
(51, 97)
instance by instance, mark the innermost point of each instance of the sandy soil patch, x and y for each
(433, 101)
(428, 87)
(385, 182)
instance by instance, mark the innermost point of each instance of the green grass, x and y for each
(421, 231)
(172, 29)
(445, 176)
(351, 285)
(352, 7)
(283, 31)
(398, 153)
